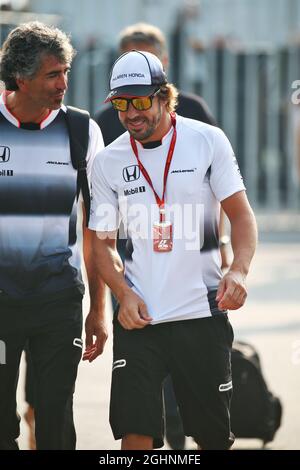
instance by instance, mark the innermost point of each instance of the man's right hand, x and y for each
(133, 311)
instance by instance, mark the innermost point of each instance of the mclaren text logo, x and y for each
(131, 173)
(140, 189)
(119, 363)
(56, 163)
(4, 154)
(189, 170)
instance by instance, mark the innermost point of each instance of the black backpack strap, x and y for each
(78, 126)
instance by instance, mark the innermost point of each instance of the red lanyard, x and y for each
(160, 201)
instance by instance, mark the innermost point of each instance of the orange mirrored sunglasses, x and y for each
(142, 103)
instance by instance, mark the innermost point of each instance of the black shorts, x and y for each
(197, 354)
(52, 331)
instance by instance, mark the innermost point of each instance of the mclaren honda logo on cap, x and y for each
(131, 173)
(128, 75)
(4, 154)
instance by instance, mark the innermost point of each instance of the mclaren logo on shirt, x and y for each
(56, 163)
(131, 173)
(189, 170)
(4, 154)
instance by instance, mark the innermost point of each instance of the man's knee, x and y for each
(137, 442)
(215, 442)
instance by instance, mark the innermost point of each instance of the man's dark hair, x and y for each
(26, 46)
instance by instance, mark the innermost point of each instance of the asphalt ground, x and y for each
(270, 321)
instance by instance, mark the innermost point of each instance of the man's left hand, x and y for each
(94, 326)
(232, 292)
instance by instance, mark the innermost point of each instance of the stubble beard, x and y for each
(151, 127)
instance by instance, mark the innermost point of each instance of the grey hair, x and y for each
(25, 47)
(143, 33)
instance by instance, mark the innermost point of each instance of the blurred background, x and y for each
(243, 57)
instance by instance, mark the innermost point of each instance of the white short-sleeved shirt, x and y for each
(180, 284)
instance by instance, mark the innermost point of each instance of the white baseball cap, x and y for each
(136, 73)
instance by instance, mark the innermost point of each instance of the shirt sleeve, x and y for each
(225, 177)
(95, 146)
(104, 215)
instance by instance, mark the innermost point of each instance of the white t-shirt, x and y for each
(180, 284)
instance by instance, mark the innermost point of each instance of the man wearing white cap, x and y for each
(165, 178)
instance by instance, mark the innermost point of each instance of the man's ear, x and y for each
(22, 84)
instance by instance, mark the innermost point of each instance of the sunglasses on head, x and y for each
(142, 103)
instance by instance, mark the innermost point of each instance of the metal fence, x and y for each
(251, 97)
(250, 94)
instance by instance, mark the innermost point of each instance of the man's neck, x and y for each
(163, 128)
(24, 110)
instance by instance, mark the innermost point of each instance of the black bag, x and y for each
(78, 122)
(255, 411)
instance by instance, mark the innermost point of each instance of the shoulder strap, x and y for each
(78, 126)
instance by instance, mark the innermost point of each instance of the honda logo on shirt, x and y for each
(131, 173)
(4, 154)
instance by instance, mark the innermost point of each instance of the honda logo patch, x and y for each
(4, 154)
(131, 173)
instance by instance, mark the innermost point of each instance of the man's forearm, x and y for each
(243, 240)
(232, 290)
(110, 266)
(97, 286)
